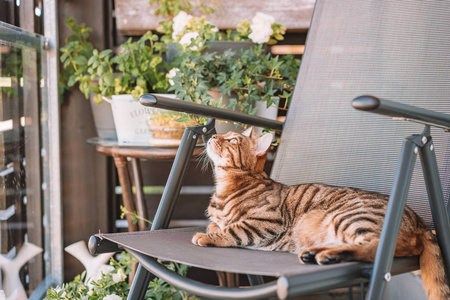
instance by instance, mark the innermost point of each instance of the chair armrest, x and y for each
(207, 111)
(402, 111)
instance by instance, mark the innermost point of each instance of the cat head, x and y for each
(243, 151)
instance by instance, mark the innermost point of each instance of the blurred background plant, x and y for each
(137, 69)
(112, 284)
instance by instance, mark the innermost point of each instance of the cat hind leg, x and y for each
(332, 255)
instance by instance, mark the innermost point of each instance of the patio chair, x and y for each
(396, 50)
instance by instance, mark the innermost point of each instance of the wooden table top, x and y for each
(113, 148)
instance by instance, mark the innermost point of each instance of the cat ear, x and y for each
(249, 132)
(263, 144)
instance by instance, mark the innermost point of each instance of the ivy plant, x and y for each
(250, 76)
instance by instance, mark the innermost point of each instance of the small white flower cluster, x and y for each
(179, 24)
(190, 38)
(119, 276)
(103, 269)
(172, 73)
(261, 28)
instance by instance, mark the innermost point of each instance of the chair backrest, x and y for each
(396, 50)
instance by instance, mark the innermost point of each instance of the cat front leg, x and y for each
(217, 237)
(242, 234)
(212, 227)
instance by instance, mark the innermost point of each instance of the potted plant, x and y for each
(118, 78)
(242, 81)
(74, 56)
(185, 29)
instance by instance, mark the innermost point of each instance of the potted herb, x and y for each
(75, 55)
(117, 78)
(139, 68)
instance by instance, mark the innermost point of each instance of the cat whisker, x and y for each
(204, 160)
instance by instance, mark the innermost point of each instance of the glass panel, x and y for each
(24, 200)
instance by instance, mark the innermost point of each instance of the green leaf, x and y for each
(79, 60)
(71, 80)
(109, 79)
(105, 53)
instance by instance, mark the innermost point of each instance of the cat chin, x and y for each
(213, 155)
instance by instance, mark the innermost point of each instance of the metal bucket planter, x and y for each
(263, 111)
(131, 120)
(104, 121)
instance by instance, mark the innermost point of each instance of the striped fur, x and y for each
(322, 224)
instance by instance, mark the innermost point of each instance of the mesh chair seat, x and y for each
(175, 245)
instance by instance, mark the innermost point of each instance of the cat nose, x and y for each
(214, 137)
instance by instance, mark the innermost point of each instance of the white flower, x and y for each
(189, 38)
(261, 28)
(179, 24)
(112, 297)
(215, 29)
(172, 73)
(102, 270)
(186, 39)
(105, 269)
(90, 293)
(262, 18)
(119, 276)
(261, 33)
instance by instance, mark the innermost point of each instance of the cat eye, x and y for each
(234, 141)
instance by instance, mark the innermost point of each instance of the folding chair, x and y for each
(397, 50)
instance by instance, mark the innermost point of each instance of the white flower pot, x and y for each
(263, 111)
(131, 120)
(223, 127)
(103, 119)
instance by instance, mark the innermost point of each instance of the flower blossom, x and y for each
(119, 276)
(179, 24)
(186, 40)
(112, 297)
(172, 73)
(261, 28)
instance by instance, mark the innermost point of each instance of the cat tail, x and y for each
(432, 267)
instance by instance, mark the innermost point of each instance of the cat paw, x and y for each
(202, 239)
(307, 257)
(327, 258)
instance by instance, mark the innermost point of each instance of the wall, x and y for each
(84, 171)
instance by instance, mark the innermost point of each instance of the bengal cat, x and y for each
(322, 224)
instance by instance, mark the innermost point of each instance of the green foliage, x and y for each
(74, 56)
(13, 70)
(139, 67)
(170, 8)
(248, 77)
(134, 215)
(114, 282)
